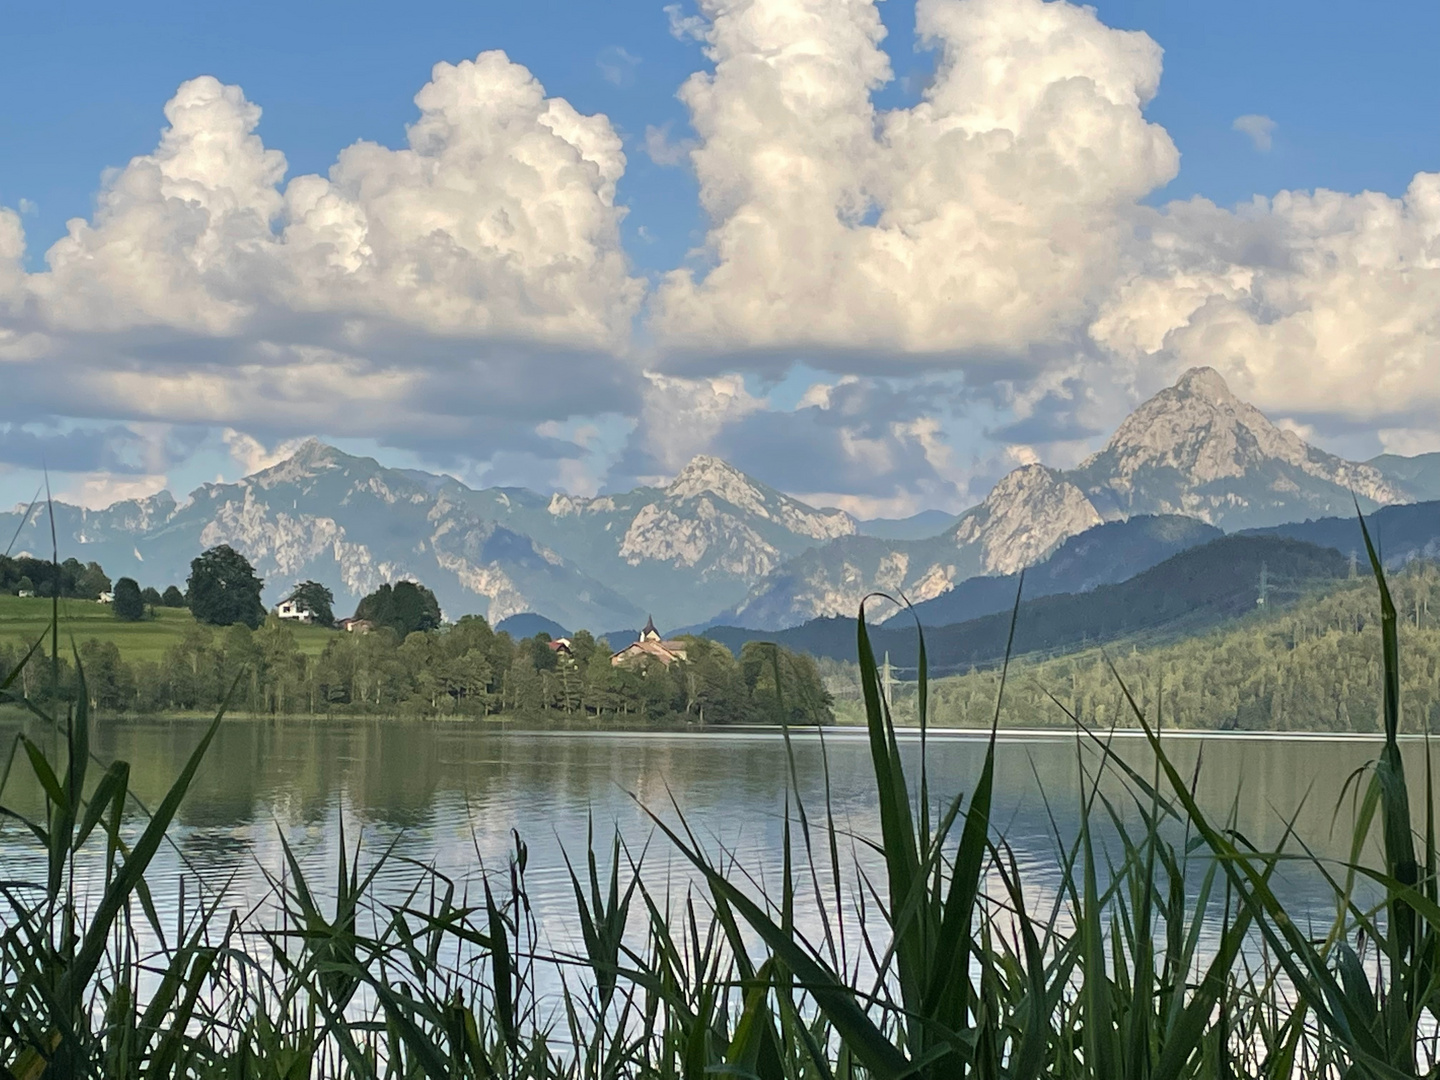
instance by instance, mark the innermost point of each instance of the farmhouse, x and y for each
(295, 610)
(650, 645)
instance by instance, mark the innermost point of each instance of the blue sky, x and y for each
(1350, 96)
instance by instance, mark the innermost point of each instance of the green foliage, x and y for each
(128, 603)
(173, 598)
(223, 589)
(151, 596)
(785, 687)
(1316, 666)
(70, 578)
(465, 669)
(90, 582)
(405, 607)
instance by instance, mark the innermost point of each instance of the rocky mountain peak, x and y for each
(1201, 429)
(1177, 450)
(1206, 383)
(1026, 515)
(710, 475)
(310, 458)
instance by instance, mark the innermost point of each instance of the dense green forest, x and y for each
(1315, 666)
(465, 669)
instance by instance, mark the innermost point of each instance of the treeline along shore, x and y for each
(465, 669)
(398, 658)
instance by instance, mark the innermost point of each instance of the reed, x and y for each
(1167, 952)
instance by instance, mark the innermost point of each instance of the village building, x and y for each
(295, 610)
(650, 645)
(355, 626)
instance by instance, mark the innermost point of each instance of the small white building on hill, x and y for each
(294, 609)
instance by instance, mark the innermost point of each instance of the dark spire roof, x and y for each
(650, 626)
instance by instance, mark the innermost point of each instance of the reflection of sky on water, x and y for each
(450, 795)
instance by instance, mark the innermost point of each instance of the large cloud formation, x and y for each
(469, 291)
(410, 286)
(988, 217)
(998, 226)
(1323, 304)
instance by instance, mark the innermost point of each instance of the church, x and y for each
(650, 645)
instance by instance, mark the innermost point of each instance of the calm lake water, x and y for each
(452, 796)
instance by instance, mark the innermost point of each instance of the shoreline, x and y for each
(671, 728)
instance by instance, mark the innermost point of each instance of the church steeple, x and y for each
(650, 633)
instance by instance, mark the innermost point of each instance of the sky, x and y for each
(875, 254)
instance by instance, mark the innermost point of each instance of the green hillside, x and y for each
(26, 618)
(1313, 667)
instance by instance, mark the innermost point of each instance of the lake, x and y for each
(453, 795)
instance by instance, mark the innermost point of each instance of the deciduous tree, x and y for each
(405, 607)
(128, 604)
(223, 589)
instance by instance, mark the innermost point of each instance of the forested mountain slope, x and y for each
(1104, 555)
(1221, 580)
(1401, 533)
(1314, 666)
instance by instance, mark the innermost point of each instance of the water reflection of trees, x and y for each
(451, 780)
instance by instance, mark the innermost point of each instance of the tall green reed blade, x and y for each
(913, 923)
(54, 591)
(132, 870)
(1400, 862)
(603, 916)
(831, 993)
(1293, 951)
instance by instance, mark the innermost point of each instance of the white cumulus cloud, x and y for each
(467, 292)
(1318, 303)
(682, 417)
(436, 278)
(251, 455)
(988, 217)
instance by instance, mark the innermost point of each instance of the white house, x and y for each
(107, 598)
(294, 609)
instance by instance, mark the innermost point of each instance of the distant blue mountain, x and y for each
(919, 526)
(1419, 476)
(1103, 555)
(527, 624)
(1401, 533)
(1189, 592)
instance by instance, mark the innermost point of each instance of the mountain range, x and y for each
(1160, 576)
(1194, 449)
(715, 545)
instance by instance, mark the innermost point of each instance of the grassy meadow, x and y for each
(26, 618)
